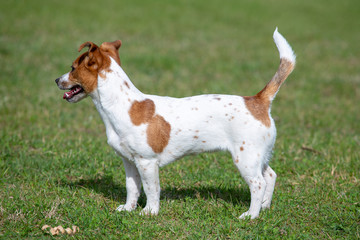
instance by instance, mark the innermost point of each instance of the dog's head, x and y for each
(83, 77)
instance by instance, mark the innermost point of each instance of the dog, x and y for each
(150, 131)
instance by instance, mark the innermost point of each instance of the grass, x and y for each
(55, 165)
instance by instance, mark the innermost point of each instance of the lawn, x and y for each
(57, 169)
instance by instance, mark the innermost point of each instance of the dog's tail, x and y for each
(287, 64)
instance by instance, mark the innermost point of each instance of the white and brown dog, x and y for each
(151, 131)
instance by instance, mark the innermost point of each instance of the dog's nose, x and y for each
(57, 80)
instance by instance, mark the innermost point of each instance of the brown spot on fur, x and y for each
(241, 149)
(243, 142)
(196, 137)
(158, 130)
(259, 108)
(236, 160)
(270, 174)
(158, 133)
(217, 98)
(126, 84)
(142, 112)
(204, 141)
(102, 75)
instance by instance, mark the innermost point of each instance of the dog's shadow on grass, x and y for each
(106, 186)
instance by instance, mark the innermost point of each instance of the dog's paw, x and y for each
(247, 215)
(126, 207)
(149, 211)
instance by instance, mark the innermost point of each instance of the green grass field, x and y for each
(57, 169)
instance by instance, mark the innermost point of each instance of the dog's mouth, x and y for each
(73, 92)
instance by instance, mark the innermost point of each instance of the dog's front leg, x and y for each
(133, 186)
(149, 172)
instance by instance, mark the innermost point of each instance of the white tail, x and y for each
(287, 64)
(284, 47)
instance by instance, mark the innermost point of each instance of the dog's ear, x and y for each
(112, 49)
(115, 44)
(93, 60)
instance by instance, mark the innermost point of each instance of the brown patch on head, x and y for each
(86, 67)
(142, 112)
(158, 133)
(90, 64)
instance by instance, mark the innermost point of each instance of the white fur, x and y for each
(199, 123)
(284, 47)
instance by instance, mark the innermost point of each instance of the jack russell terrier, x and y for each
(151, 131)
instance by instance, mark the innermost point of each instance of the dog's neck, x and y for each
(114, 96)
(114, 86)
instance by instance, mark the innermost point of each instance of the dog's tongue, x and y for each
(71, 93)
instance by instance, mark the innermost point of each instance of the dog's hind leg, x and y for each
(249, 163)
(270, 179)
(133, 186)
